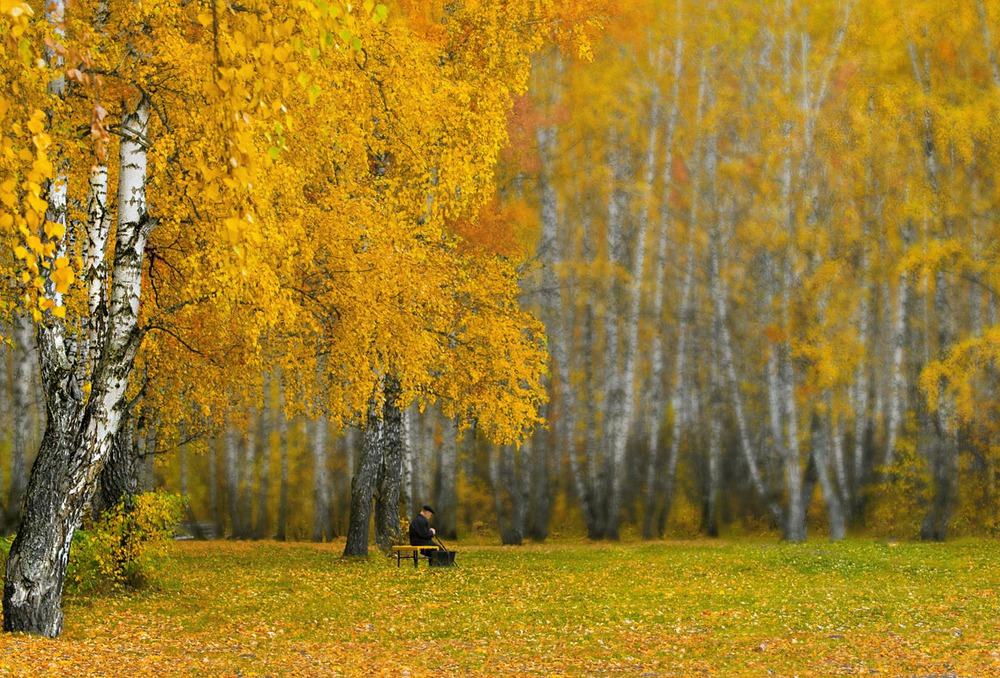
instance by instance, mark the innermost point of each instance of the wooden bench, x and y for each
(414, 551)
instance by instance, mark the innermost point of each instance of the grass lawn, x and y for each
(727, 608)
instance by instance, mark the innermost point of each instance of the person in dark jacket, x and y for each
(421, 532)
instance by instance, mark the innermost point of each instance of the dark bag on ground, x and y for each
(442, 558)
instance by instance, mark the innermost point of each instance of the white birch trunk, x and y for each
(897, 382)
(656, 397)
(264, 483)
(446, 507)
(623, 401)
(24, 368)
(232, 456)
(281, 532)
(680, 393)
(77, 440)
(321, 482)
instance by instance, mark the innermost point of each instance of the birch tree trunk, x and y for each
(655, 398)
(247, 468)
(387, 523)
(446, 503)
(232, 456)
(322, 524)
(25, 365)
(264, 484)
(280, 535)
(364, 483)
(679, 394)
(553, 310)
(213, 489)
(79, 433)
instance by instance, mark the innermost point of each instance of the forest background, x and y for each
(762, 240)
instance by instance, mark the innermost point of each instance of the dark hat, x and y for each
(428, 509)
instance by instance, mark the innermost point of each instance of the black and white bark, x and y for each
(390, 478)
(656, 395)
(81, 428)
(364, 482)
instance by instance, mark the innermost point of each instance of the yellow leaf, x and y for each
(54, 229)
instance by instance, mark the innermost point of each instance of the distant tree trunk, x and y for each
(710, 513)
(680, 392)
(541, 491)
(821, 437)
(727, 367)
(247, 475)
(656, 396)
(897, 381)
(233, 483)
(213, 488)
(322, 524)
(509, 496)
(406, 498)
(446, 503)
(264, 485)
(283, 451)
(25, 366)
(387, 524)
(554, 310)
(119, 480)
(942, 434)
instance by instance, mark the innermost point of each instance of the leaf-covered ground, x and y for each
(662, 609)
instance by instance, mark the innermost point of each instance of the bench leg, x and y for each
(416, 558)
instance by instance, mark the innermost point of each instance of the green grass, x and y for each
(661, 609)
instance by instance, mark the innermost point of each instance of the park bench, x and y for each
(414, 551)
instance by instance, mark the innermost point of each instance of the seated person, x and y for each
(421, 532)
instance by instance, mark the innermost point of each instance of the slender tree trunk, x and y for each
(553, 307)
(322, 525)
(710, 513)
(283, 451)
(897, 382)
(821, 437)
(680, 392)
(264, 484)
(233, 483)
(213, 489)
(943, 434)
(656, 400)
(406, 498)
(25, 366)
(446, 503)
(542, 490)
(247, 467)
(728, 370)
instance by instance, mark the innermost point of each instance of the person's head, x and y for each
(427, 512)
